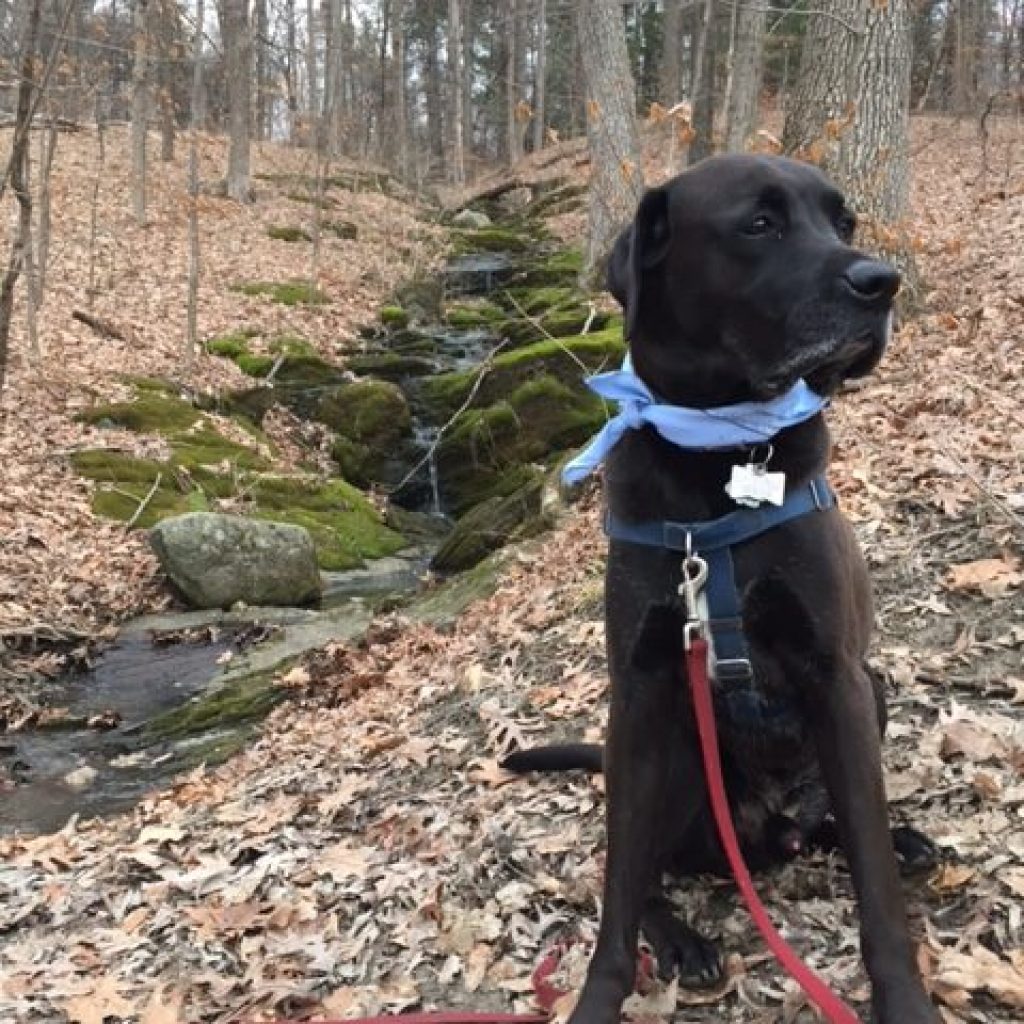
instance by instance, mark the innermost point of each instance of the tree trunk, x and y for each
(435, 105)
(703, 142)
(457, 167)
(140, 111)
(19, 180)
(192, 312)
(745, 76)
(261, 44)
(616, 176)
(312, 102)
(238, 45)
(850, 114)
(401, 117)
(515, 61)
(669, 77)
(291, 69)
(540, 74)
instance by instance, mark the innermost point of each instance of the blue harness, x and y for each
(714, 539)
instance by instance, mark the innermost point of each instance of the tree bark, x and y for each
(192, 311)
(703, 141)
(540, 84)
(312, 101)
(457, 167)
(261, 43)
(850, 114)
(745, 76)
(238, 44)
(140, 110)
(19, 180)
(669, 71)
(616, 176)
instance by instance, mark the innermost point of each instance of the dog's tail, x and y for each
(557, 757)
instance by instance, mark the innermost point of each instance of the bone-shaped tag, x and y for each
(752, 485)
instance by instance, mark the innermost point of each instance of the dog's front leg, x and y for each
(849, 746)
(648, 807)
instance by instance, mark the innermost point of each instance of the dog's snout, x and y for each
(872, 281)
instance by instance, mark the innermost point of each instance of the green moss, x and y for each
(255, 366)
(153, 385)
(468, 315)
(534, 301)
(107, 465)
(240, 702)
(558, 200)
(562, 267)
(442, 606)
(205, 447)
(151, 413)
(569, 359)
(490, 451)
(492, 239)
(293, 345)
(490, 525)
(285, 233)
(288, 293)
(231, 346)
(123, 502)
(394, 316)
(373, 411)
(345, 526)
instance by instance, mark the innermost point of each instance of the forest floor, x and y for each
(366, 853)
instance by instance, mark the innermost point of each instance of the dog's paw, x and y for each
(680, 951)
(915, 851)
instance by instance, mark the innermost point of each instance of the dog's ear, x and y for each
(649, 239)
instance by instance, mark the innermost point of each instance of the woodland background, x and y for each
(362, 851)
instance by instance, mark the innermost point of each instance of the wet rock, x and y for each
(216, 560)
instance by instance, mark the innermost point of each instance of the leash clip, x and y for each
(694, 576)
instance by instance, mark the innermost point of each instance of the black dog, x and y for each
(737, 279)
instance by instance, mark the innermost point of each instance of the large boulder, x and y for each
(216, 560)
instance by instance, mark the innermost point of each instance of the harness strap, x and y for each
(714, 539)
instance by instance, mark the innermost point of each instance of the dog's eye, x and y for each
(846, 226)
(760, 225)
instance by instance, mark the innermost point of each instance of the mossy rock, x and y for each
(346, 528)
(371, 411)
(558, 323)
(343, 229)
(230, 346)
(241, 702)
(558, 200)
(394, 316)
(292, 345)
(489, 526)
(390, 366)
(562, 267)
(153, 385)
(492, 239)
(534, 301)
(470, 315)
(123, 503)
(205, 447)
(286, 233)
(568, 359)
(487, 451)
(442, 606)
(249, 405)
(150, 413)
(288, 293)
(411, 342)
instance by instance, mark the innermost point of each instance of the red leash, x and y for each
(834, 1009)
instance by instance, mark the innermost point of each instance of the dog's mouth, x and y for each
(825, 365)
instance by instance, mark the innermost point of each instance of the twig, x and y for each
(102, 327)
(145, 501)
(485, 368)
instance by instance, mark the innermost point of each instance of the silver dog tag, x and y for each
(752, 485)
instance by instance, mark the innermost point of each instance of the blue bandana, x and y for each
(727, 426)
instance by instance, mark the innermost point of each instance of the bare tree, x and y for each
(616, 176)
(669, 76)
(540, 74)
(140, 109)
(192, 325)
(18, 170)
(702, 144)
(455, 92)
(746, 63)
(237, 36)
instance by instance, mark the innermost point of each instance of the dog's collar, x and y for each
(725, 426)
(739, 701)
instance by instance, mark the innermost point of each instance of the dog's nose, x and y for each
(872, 281)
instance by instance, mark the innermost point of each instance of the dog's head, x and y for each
(738, 277)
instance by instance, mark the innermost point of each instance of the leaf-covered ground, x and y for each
(367, 853)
